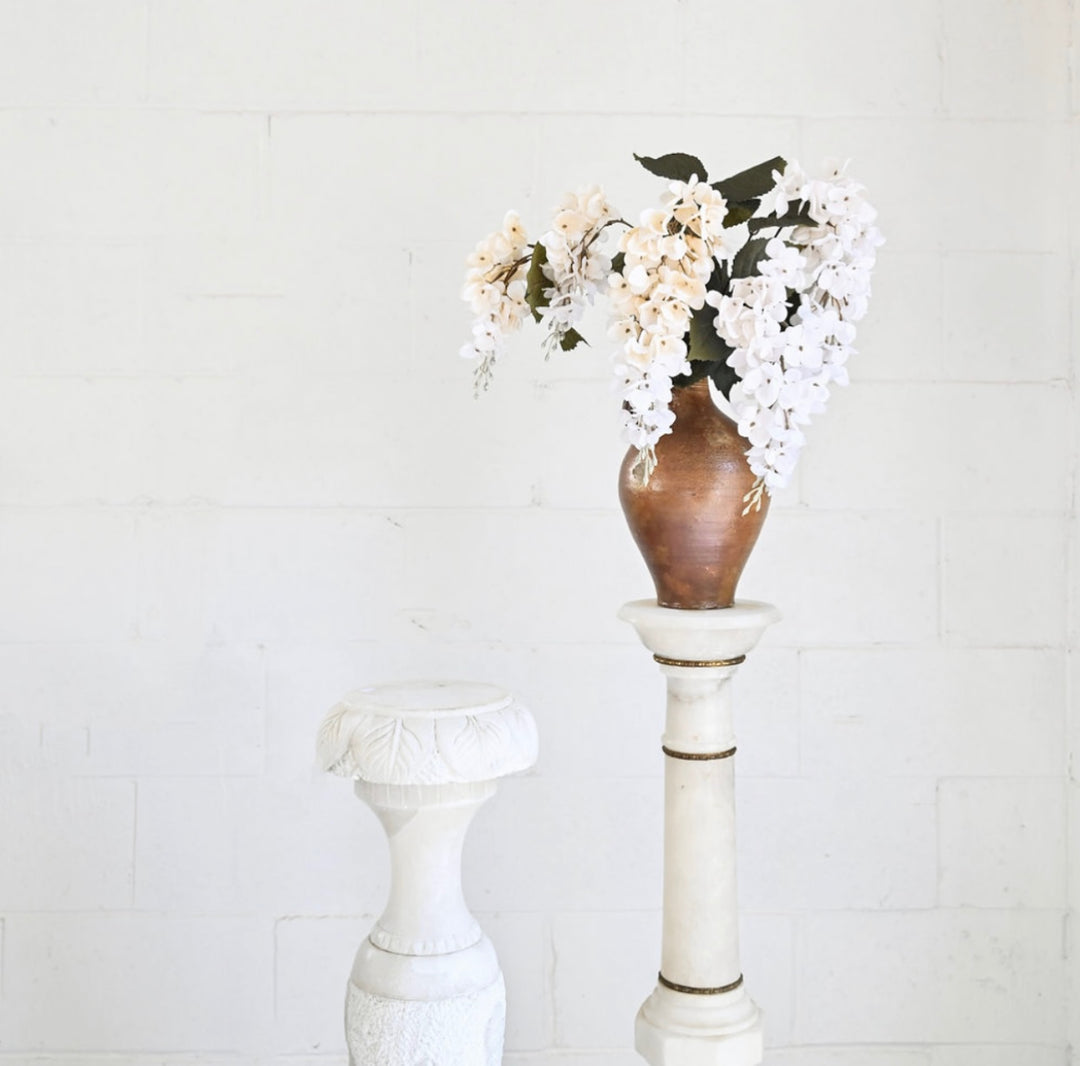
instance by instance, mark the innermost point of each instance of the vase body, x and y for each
(688, 521)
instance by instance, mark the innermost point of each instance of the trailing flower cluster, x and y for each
(495, 283)
(755, 281)
(786, 354)
(668, 259)
(576, 263)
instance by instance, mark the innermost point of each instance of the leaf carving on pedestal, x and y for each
(474, 745)
(426, 748)
(333, 745)
(386, 749)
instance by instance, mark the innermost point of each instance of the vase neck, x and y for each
(692, 398)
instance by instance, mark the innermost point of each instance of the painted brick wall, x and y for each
(242, 471)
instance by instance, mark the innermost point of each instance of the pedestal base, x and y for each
(676, 1029)
(466, 1030)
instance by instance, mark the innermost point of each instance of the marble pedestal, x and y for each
(700, 1013)
(426, 988)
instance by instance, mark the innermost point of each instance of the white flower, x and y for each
(729, 242)
(577, 263)
(787, 359)
(669, 257)
(789, 324)
(495, 291)
(785, 263)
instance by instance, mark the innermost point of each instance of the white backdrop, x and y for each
(242, 471)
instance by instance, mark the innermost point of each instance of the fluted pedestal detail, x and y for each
(426, 987)
(700, 1013)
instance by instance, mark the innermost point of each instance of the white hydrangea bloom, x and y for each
(669, 257)
(577, 263)
(787, 361)
(790, 324)
(495, 282)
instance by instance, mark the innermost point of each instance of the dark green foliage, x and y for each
(794, 216)
(704, 343)
(723, 377)
(535, 282)
(678, 166)
(740, 212)
(746, 261)
(698, 370)
(748, 184)
(571, 340)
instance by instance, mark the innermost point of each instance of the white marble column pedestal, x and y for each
(426, 988)
(700, 1013)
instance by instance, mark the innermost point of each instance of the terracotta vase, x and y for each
(688, 520)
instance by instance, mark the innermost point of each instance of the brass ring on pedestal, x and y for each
(663, 660)
(696, 755)
(700, 991)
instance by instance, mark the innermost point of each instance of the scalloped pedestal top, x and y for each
(719, 633)
(427, 733)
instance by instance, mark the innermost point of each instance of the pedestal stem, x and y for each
(700, 933)
(427, 913)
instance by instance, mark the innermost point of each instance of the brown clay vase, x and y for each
(688, 521)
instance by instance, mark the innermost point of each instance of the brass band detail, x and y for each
(697, 754)
(700, 991)
(663, 660)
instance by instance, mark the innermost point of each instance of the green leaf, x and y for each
(748, 257)
(677, 166)
(704, 342)
(794, 298)
(750, 183)
(723, 377)
(698, 371)
(794, 216)
(618, 261)
(708, 353)
(571, 340)
(535, 282)
(740, 212)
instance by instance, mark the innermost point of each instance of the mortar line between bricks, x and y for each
(274, 965)
(375, 510)
(167, 1056)
(283, 374)
(943, 64)
(800, 723)
(1071, 935)
(684, 38)
(942, 576)
(147, 11)
(929, 118)
(134, 838)
(927, 647)
(350, 110)
(939, 871)
(614, 779)
(264, 661)
(549, 975)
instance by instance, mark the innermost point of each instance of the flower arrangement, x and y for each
(755, 282)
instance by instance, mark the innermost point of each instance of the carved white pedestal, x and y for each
(426, 988)
(700, 1013)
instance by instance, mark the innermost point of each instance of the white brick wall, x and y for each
(241, 471)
